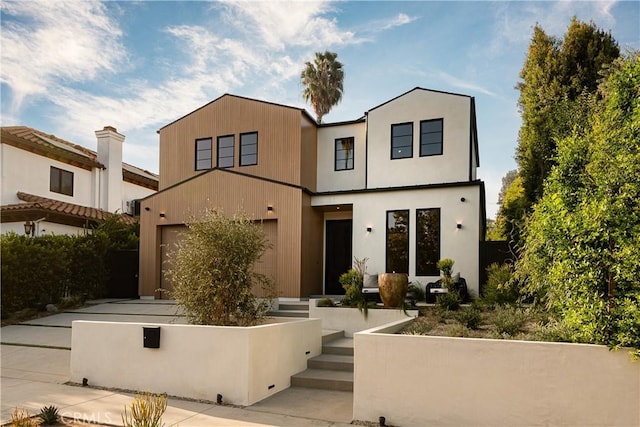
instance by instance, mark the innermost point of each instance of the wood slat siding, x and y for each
(230, 193)
(312, 244)
(279, 139)
(309, 153)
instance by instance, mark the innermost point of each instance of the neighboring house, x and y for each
(397, 186)
(63, 188)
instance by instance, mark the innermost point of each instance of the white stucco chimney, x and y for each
(110, 155)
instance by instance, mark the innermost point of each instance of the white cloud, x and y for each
(54, 42)
(399, 20)
(463, 84)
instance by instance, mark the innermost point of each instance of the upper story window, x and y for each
(402, 141)
(61, 181)
(249, 149)
(344, 154)
(203, 154)
(225, 151)
(430, 137)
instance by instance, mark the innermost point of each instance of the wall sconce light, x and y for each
(28, 227)
(147, 208)
(162, 215)
(369, 229)
(459, 225)
(462, 199)
(270, 208)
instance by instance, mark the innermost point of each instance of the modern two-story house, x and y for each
(53, 186)
(397, 186)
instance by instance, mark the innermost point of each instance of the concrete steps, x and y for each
(333, 369)
(291, 309)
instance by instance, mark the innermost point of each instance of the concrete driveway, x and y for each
(35, 358)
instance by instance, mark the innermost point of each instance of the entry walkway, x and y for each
(35, 359)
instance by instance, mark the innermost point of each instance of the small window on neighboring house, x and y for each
(398, 241)
(402, 141)
(430, 137)
(225, 151)
(427, 242)
(344, 154)
(203, 154)
(249, 149)
(61, 181)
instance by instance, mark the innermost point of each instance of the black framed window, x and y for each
(402, 141)
(203, 154)
(430, 137)
(344, 154)
(61, 181)
(427, 241)
(249, 149)
(398, 241)
(225, 151)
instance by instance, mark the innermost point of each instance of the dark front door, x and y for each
(338, 254)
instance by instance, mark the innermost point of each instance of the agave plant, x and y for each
(49, 415)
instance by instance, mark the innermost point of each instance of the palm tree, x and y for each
(322, 82)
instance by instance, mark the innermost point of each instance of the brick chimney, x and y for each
(110, 155)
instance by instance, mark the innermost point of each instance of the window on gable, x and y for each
(344, 154)
(427, 242)
(61, 181)
(248, 149)
(430, 137)
(203, 154)
(402, 141)
(398, 241)
(225, 151)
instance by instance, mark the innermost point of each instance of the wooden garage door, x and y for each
(267, 265)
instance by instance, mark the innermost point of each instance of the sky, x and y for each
(70, 68)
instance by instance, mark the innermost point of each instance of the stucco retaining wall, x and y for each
(245, 365)
(441, 381)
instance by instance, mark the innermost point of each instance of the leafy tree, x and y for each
(322, 81)
(213, 274)
(581, 253)
(558, 78)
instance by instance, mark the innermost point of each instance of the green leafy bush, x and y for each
(325, 302)
(213, 271)
(352, 282)
(415, 293)
(449, 301)
(470, 317)
(510, 320)
(501, 287)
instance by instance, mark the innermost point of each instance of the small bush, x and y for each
(470, 317)
(501, 288)
(510, 320)
(352, 282)
(415, 293)
(146, 411)
(458, 330)
(21, 418)
(49, 415)
(554, 331)
(449, 301)
(325, 302)
(419, 326)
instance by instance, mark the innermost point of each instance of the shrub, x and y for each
(446, 266)
(510, 320)
(470, 317)
(415, 293)
(49, 415)
(352, 282)
(501, 287)
(419, 326)
(146, 411)
(213, 271)
(20, 418)
(325, 302)
(449, 301)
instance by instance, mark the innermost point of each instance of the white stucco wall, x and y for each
(30, 173)
(328, 178)
(42, 228)
(132, 192)
(370, 210)
(245, 365)
(451, 166)
(440, 381)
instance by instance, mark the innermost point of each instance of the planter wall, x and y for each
(421, 380)
(351, 320)
(245, 365)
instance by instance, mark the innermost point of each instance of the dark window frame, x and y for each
(429, 269)
(338, 142)
(242, 145)
(441, 143)
(56, 184)
(233, 151)
(210, 150)
(389, 264)
(393, 126)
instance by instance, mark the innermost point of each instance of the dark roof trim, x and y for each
(226, 170)
(346, 122)
(417, 88)
(403, 188)
(302, 110)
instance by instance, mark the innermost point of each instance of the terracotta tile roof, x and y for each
(41, 143)
(58, 208)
